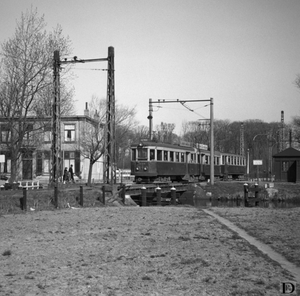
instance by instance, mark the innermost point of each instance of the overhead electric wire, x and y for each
(89, 69)
(188, 108)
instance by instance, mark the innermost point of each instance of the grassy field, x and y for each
(102, 249)
(170, 250)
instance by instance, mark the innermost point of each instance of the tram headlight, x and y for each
(145, 169)
(137, 169)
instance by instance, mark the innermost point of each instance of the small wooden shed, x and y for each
(287, 165)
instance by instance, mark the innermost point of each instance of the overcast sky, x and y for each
(245, 54)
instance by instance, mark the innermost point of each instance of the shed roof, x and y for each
(289, 152)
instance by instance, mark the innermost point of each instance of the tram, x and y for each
(153, 161)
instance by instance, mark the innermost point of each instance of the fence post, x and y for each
(144, 196)
(123, 190)
(56, 197)
(103, 194)
(246, 190)
(81, 195)
(23, 200)
(158, 195)
(173, 196)
(256, 194)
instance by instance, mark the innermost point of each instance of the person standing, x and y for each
(66, 175)
(71, 173)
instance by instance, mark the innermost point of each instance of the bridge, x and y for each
(150, 194)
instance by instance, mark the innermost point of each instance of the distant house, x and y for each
(36, 162)
(287, 165)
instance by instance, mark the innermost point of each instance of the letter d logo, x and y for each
(288, 288)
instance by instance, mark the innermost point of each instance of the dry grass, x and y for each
(278, 227)
(130, 251)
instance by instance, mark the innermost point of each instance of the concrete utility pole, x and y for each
(110, 145)
(212, 148)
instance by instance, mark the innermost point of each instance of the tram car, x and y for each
(152, 161)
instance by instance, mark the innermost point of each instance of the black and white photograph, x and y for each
(149, 147)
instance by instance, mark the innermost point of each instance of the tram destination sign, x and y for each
(257, 162)
(197, 145)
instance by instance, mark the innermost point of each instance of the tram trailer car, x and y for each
(153, 161)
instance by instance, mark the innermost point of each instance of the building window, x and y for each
(29, 132)
(69, 132)
(47, 133)
(5, 134)
(285, 166)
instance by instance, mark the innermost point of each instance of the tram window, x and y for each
(216, 161)
(206, 159)
(182, 157)
(171, 156)
(192, 157)
(142, 153)
(133, 154)
(165, 155)
(159, 154)
(177, 156)
(152, 154)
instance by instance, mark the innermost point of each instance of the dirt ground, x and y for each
(115, 250)
(130, 251)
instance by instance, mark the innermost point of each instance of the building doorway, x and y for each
(27, 169)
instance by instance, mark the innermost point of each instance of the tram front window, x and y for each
(142, 153)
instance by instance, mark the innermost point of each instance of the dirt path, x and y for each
(130, 251)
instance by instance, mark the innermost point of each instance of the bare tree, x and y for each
(92, 139)
(91, 144)
(164, 132)
(196, 132)
(26, 76)
(297, 81)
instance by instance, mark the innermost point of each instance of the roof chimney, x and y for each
(86, 111)
(97, 116)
